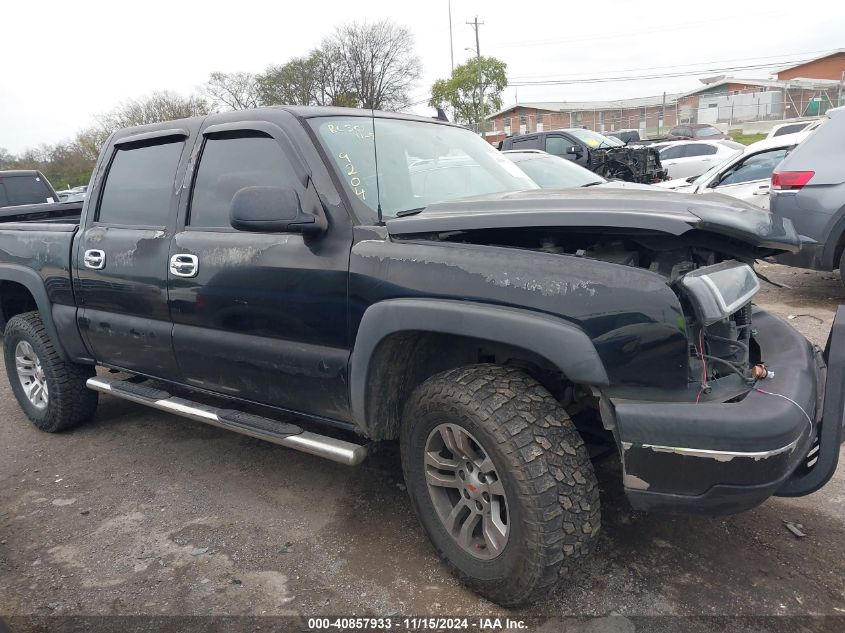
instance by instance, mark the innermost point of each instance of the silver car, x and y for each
(808, 187)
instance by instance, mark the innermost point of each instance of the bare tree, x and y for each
(233, 91)
(378, 61)
(159, 106)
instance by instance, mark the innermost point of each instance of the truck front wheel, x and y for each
(500, 480)
(50, 390)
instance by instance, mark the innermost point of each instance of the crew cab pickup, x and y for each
(388, 277)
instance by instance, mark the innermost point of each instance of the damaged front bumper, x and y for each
(727, 457)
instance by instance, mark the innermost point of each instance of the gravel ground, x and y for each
(140, 512)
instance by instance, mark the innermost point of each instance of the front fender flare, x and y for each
(561, 343)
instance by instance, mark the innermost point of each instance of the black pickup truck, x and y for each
(609, 157)
(387, 277)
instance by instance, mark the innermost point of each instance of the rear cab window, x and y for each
(140, 184)
(24, 189)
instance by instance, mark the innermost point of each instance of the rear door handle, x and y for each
(94, 259)
(184, 265)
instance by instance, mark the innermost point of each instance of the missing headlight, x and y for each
(720, 290)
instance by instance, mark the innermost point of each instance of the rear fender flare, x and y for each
(32, 281)
(561, 343)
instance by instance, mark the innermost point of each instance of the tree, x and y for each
(472, 102)
(378, 61)
(233, 91)
(293, 83)
(157, 107)
(6, 159)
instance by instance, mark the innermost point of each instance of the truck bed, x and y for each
(48, 212)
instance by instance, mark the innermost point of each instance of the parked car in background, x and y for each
(808, 187)
(695, 131)
(554, 172)
(792, 128)
(71, 195)
(606, 156)
(626, 136)
(746, 175)
(25, 186)
(682, 159)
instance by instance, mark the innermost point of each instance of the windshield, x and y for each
(418, 163)
(554, 172)
(707, 175)
(707, 131)
(594, 139)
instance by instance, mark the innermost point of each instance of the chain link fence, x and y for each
(753, 109)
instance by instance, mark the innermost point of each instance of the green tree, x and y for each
(293, 83)
(470, 100)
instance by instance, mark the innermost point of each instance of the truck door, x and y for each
(562, 145)
(121, 256)
(259, 316)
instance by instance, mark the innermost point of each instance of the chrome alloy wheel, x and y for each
(466, 491)
(31, 375)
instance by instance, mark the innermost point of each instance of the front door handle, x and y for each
(94, 259)
(184, 265)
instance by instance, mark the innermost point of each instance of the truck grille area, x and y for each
(725, 348)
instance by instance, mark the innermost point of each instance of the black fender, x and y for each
(561, 343)
(32, 281)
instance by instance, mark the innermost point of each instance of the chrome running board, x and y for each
(281, 433)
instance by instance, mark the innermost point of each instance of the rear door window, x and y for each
(139, 185)
(672, 152)
(528, 142)
(227, 165)
(698, 149)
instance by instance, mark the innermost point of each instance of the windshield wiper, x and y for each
(592, 184)
(404, 212)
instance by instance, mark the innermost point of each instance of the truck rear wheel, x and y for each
(50, 390)
(500, 480)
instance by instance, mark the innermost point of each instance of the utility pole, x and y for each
(475, 24)
(451, 43)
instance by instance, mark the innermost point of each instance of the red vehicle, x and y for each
(699, 131)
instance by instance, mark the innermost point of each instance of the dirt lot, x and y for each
(143, 513)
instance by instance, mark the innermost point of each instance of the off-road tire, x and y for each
(69, 401)
(552, 493)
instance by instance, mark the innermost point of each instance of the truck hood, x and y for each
(653, 210)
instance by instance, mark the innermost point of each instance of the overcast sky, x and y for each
(63, 63)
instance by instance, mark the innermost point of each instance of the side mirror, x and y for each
(573, 149)
(272, 210)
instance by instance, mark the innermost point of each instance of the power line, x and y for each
(624, 34)
(685, 73)
(715, 61)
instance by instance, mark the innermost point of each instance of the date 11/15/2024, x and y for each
(415, 624)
